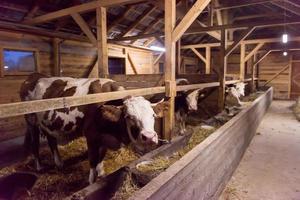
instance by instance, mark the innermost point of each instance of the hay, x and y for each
(58, 184)
(127, 189)
(114, 160)
(158, 164)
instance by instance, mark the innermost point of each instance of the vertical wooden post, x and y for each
(253, 73)
(242, 62)
(178, 63)
(170, 63)
(290, 76)
(208, 60)
(56, 56)
(223, 69)
(102, 42)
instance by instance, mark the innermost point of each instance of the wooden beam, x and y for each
(189, 18)
(158, 57)
(223, 69)
(242, 36)
(170, 63)
(262, 57)
(260, 24)
(214, 34)
(78, 9)
(287, 6)
(178, 57)
(56, 56)
(243, 4)
(132, 64)
(253, 68)
(199, 55)
(162, 42)
(208, 60)
(102, 49)
(258, 46)
(277, 74)
(143, 36)
(84, 27)
(141, 18)
(1, 63)
(218, 13)
(242, 61)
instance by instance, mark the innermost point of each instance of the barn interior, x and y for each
(145, 45)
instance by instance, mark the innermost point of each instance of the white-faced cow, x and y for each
(104, 126)
(233, 94)
(185, 102)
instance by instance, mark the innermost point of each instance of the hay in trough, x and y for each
(127, 189)
(158, 164)
(116, 159)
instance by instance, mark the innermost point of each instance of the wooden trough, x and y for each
(204, 171)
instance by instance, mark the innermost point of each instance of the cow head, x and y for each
(192, 100)
(237, 90)
(139, 116)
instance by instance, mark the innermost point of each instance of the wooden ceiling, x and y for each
(148, 17)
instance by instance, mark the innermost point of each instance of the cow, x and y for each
(235, 91)
(185, 102)
(105, 126)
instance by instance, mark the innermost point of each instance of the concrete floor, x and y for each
(270, 168)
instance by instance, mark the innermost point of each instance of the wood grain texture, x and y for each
(204, 171)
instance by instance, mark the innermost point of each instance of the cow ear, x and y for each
(111, 113)
(160, 108)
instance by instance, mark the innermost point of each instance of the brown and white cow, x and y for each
(104, 126)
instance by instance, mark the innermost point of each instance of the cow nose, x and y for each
(149, 137)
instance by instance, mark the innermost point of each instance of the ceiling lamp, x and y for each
(156, 48)
(284, 38)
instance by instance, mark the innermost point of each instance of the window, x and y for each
(116, 65)
(161, 67)
(19, 62)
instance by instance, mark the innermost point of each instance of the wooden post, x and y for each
(253, 73)
(178, 64)
(1, 63)
(170, 63)
(242, 61)
(102, 42)
(223, 66)
(208, 60)
(290, 76)
(56, 57)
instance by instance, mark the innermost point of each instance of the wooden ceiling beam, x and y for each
(85, 28)
(289, 7)
(243, 4)
(243, 36)
(214, 34)
(261, 24)
(189, 18)
(78, 9)
(129, 38)
(256, 48)
(142, 17)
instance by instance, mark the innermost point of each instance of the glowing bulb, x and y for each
(155, 48)
(285, 53)
(5, 67)
(285, 38)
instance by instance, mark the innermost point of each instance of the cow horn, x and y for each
(154, 104)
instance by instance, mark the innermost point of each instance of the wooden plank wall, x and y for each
(271, 65)
(204, 171)
(76, 59)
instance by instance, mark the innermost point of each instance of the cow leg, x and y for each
(100, 167)
(179, 119)
(52, 142)
(93, 154)
(32, 139)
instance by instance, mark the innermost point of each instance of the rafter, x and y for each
(189, 18)
(120, 18)
(289, 7)
(84, 27)
(143, 16)
(256, 48)
(78, 9)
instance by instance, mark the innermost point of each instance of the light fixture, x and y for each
(5, 67)
(285, 53)
(156, 48)
(284, 38)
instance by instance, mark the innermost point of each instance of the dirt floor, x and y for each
(270, 168)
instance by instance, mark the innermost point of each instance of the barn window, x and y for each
(19, 62)
(116, 65)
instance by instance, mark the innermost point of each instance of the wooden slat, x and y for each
(84, 27)
(277, 74)
(78, 9)
(132, 64)
(199, 55)
(56, 56)
(222, 70)
(189, 18)
(242, 61)
(158, 57)
(208, 60)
